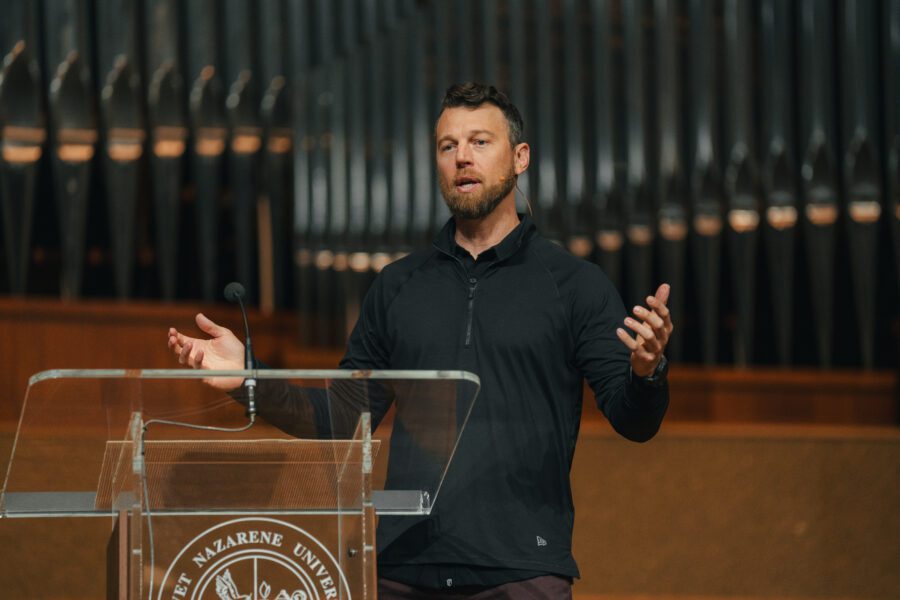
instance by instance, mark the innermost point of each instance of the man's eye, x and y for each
(446, 147)
(480, 142)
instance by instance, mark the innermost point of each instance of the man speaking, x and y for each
(493, 297)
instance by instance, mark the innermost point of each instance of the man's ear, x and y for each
(522, 157)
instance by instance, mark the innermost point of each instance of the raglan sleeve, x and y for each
(633, 407)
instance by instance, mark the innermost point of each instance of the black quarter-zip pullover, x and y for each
(532, 321)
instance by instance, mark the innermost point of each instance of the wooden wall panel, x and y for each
(739, 512)
(758, 395)
(50, 334)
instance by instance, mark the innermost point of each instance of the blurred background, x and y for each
(745, 151)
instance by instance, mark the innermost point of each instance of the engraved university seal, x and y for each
(254, 559)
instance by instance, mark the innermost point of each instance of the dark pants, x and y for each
(548, 587)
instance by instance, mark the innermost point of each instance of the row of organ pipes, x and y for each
(745, 151)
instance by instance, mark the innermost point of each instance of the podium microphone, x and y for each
(235, 292)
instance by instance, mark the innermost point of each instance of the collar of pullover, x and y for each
(515, 239)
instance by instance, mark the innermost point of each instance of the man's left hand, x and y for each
(652, 326)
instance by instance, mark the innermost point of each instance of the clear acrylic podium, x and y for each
(283, 510)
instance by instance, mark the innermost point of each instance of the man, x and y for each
(495, 298)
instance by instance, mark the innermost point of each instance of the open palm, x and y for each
(222, 351)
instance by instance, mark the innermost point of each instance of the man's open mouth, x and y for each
(466, 184)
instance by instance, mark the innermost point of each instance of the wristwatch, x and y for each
(658, 377)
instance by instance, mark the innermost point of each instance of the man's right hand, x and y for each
(222, 351)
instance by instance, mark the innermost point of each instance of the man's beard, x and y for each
(477, 205)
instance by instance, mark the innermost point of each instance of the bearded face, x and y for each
(468, 197)
(476, 163)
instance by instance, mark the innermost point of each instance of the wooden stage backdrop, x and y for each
(761, 484)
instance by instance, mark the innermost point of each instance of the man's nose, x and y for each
(463, 154)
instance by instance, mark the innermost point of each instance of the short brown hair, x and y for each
(473, 95)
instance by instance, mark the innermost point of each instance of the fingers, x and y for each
(650, 317)
(662, 327)
(652, 332)
(659, 300)
(190, 351)
(655, 325)
(650, 342)
(184, 356)
(191, 356)
(636, 346)
(662, 311)
(658, 307)
(181, 345)
(662, 293)
(176, 340)
(658, 304)
(629, 341)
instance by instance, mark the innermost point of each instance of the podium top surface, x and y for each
(274, 374)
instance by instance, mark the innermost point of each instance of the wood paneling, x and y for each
(740, 512)
(758, 395)
(50, 334)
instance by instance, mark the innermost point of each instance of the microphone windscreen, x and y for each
(234, 291)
